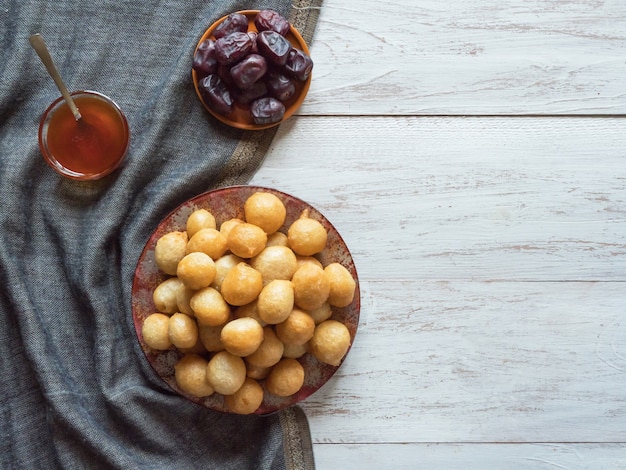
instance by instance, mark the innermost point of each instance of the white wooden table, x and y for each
(472, 153)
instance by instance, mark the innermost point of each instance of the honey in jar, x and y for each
(88, 148)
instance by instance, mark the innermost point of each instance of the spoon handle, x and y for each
(36, 40)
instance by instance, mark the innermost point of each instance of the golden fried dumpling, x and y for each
(241, 285)
(322, 313)
(306, 236)
(275, 302)
(164, 295)
(298, 328)
(242, 336)
(285, 378)
(183, 297)
(246, 240)
(247, 399)
(155, 331)
(169, 250)
(228, 225)
(342, 285)
(269, 352)
(210, 336)
(209, 241)
(277, 239)
(249, 310)
(183, 331)
(308, 259)
(222, 266)
(295, 351)
(196, 270)
(311, 287)
(275, 262)
(209, 307)
(199, 219)
(226, 372)
(190, 373)
(330, 342)
(265, 210)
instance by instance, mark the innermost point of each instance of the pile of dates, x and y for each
(257, 69)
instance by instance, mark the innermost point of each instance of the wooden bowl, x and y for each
(240, 117)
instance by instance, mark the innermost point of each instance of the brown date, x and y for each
(267, 110)
(270, 20)
(256, 91)
(204, 61)
(273, 47)
(249, 70)
(280, 86)
(299, 64)
(215, 94)
(234, 23)
(232, 48)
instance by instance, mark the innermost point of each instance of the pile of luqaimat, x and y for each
(245, 301)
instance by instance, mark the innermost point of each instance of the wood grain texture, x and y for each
(463, 362)
(474, 198)
(464, 456)
(472, 154)
(469, 57)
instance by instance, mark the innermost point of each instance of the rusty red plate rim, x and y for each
(226, 203)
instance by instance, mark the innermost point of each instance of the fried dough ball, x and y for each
(242, 336)
(275, 302)
(265, 210)
(309, 259)
(228, 225)
(190, 373)
(275, 262)
(196, 270)
(342, 285)
(330, 342)
(155, 331)
(169, 250)
(226, 372)
(298, 328)
(210, 307)
(246, 240)
(209, 241)
(164, 295)
(247, 399)
(322, 313)
(257, 373)
(183, 297)
(249, 310)
(285, 378)
(241, 285)
(222, 266)
(210, 337)
(269, 352)
(310, 286)
(295, 351)
(277, 239)
(197, 348)
(183, 331)
(199, 219)
(306, 236)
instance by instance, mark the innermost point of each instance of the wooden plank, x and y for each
(472, 198)
(462, 362)
(469, 57)
(470, 456)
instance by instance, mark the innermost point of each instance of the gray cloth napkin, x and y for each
(75, 389)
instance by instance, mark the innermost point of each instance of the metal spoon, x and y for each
(36, 40)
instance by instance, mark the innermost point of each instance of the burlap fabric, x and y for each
(75, 389)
